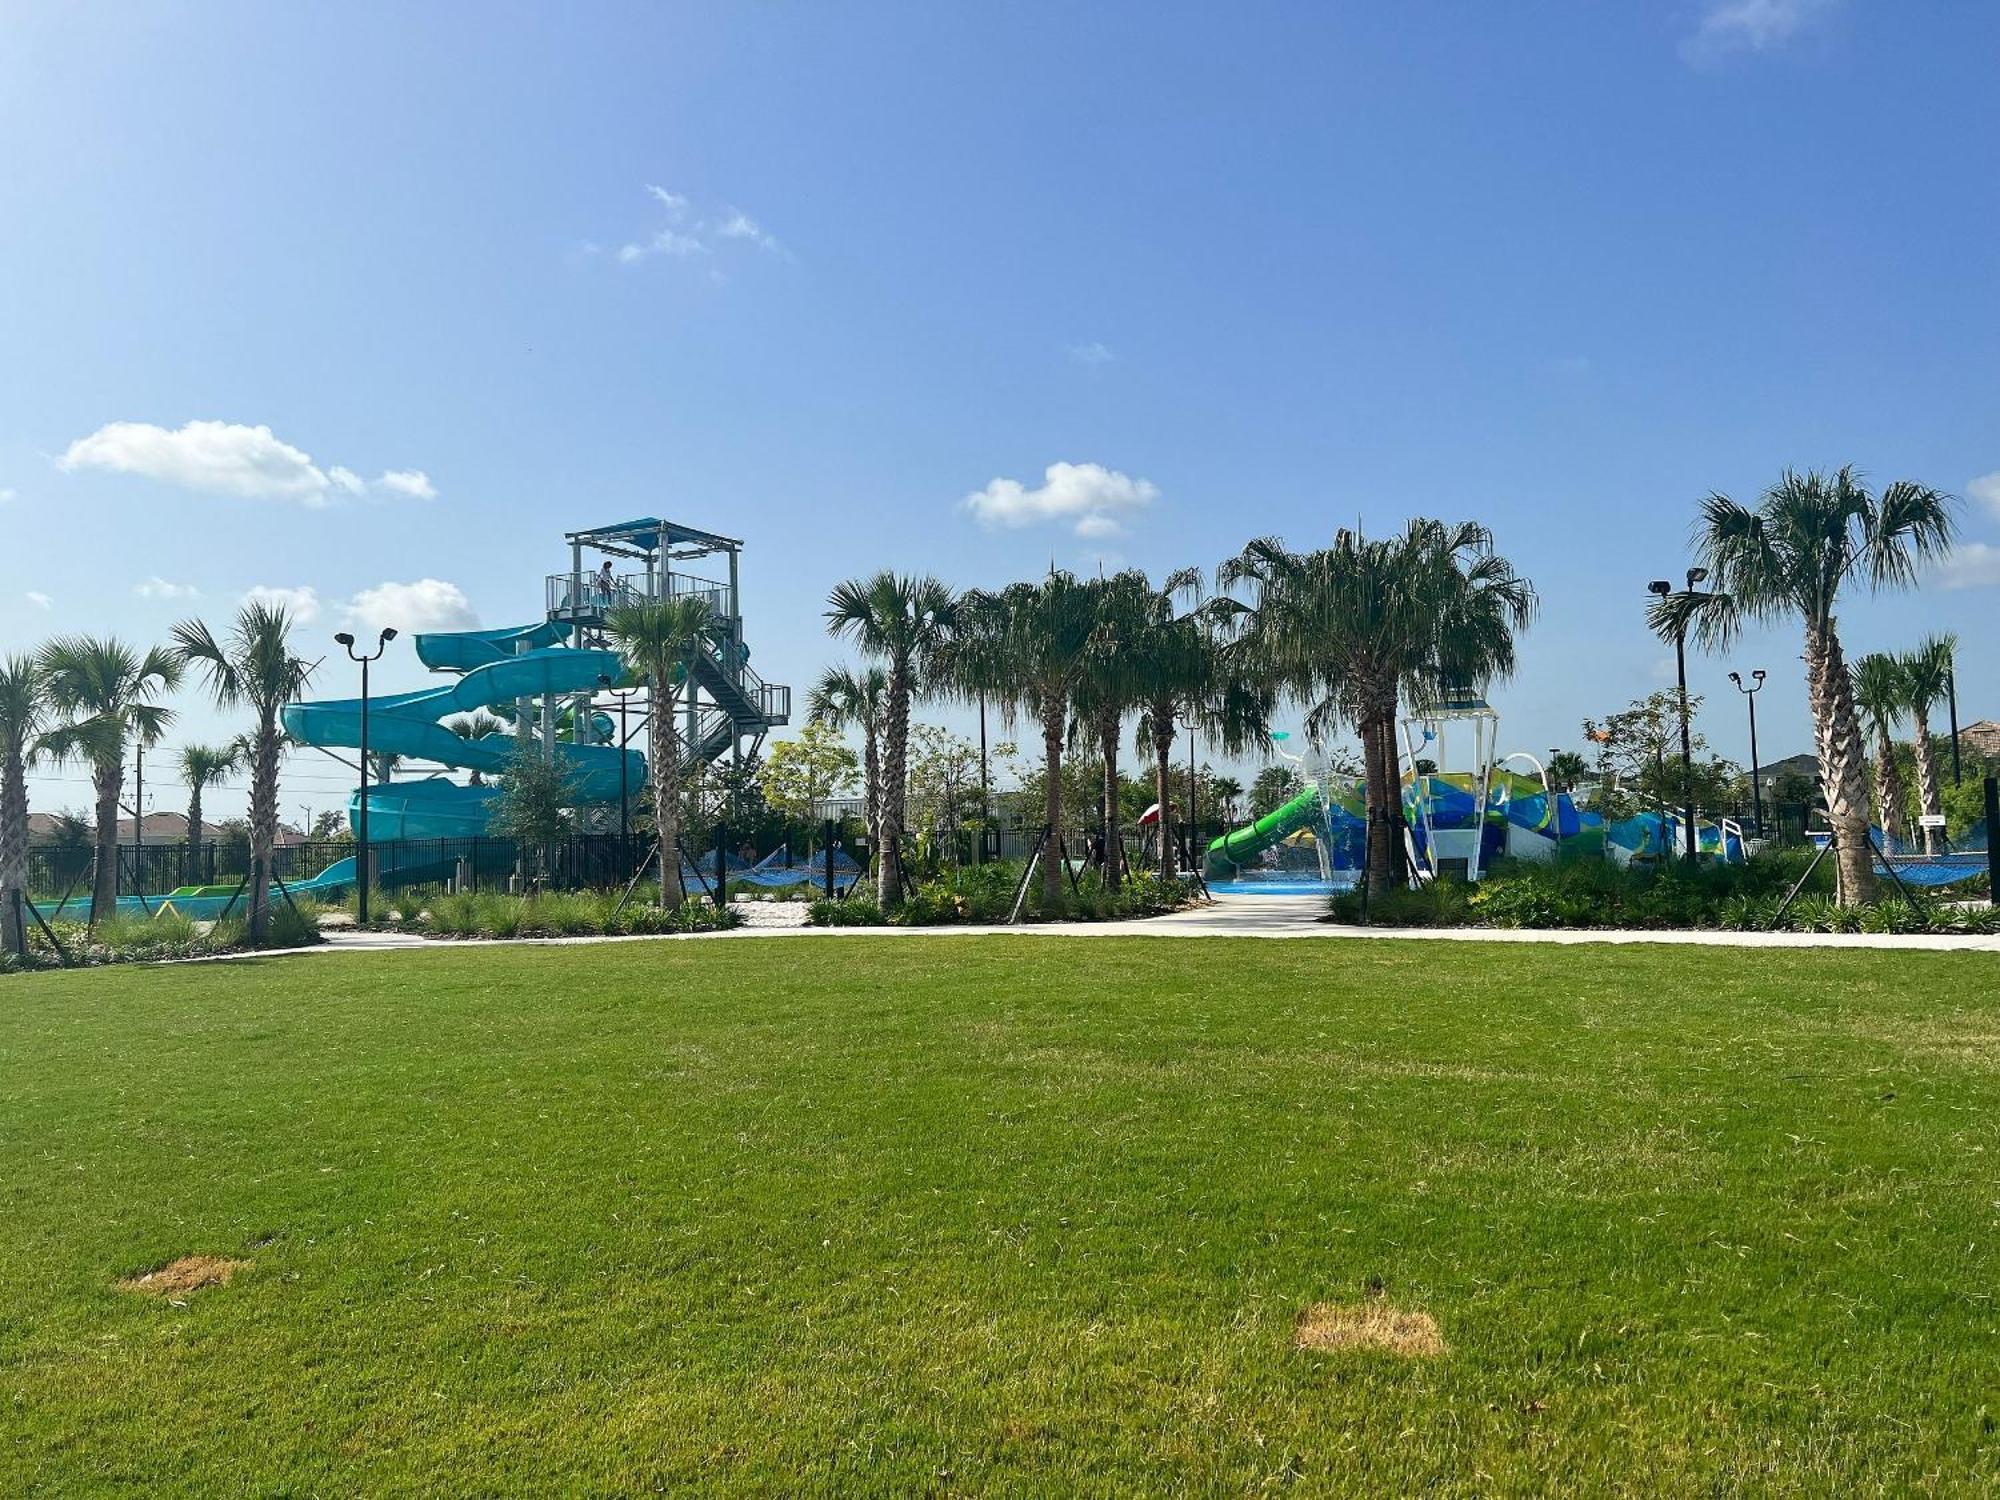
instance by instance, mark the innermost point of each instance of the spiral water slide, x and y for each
(496, 669)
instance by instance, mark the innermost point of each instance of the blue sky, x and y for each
(816, 275)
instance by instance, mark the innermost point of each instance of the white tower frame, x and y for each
(1426, 726)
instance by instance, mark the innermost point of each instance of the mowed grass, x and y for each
(1004, 1216)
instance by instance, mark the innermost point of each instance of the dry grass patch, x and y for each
(1369, 1325)
(188, 1274)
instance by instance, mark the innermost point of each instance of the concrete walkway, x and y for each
(1228, 916)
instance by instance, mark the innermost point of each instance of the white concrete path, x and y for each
(1229, 916)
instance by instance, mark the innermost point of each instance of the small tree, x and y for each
(1273, 788)
(800, 774)
(535, 805)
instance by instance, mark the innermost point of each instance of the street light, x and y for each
(1664, 590)
(362, 873)
(1194, 838)
(1756, 779)
(624, 796)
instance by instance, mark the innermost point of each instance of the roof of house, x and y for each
(161, 828)
(1983, 736)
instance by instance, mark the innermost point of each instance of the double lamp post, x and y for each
(363, 875)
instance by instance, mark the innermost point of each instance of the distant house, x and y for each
(161, 828)
(1981, 739)
(1772, 771)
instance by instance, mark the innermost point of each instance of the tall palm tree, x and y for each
(903, 621)
(1927, 679)
(1108, 687)
(204, 766)
(253, 667)
(106, 695)
(1028, 647)
(1881, 693)
(1350, 629)
(846, 699)
(659, 639)
(1808, 536)
(23, 706)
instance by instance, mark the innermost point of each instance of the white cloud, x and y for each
(229, 458)
(414, 483)
(1729, 26)
(427, 604)
(675, 203)
(217, 458)
(740, 226)
(301, 603)
(39, 600)
(157, 587)
(1972, 565)
(1985, 489)
(688, 235)
(8, 497)
(1092, 353)
(1090, 495)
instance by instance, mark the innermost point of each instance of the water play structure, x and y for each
(1458, 815)
(547, 684)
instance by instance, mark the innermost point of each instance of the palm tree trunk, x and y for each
(1929, 794)
(1842, 765)
(871, 791)
(1378, 750)
(13, 853)
(108, 781)
(194, 833)
(895, 776)
(264, 828)
(663, 743)
(1052, 850)
(1114, 845)
(1163, 790)
(1888, 785)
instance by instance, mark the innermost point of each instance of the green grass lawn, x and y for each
(1004, 1215)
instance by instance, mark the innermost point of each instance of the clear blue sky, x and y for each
(1563, 267)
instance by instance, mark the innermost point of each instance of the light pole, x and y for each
(362, 873)
(624, 795)
(1194, 837)
(1951, 697)
(1756, 781)
(1663, 590)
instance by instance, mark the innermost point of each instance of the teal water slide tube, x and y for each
(1232, 851)
(493, 676)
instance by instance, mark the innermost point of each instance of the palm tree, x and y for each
(1108, 687)
(658, 639)
(105, 693)
(1229, 791)
(22, 709)
(1566, 768)
(1351, 628)
(254, 667)
(1028, 647)
(903, 621)
(476, 726)
(1881, 693)
(204, 766)
(846, 699)
(1788, 558)
(1926, 680)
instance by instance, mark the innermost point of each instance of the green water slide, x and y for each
(1232, 851)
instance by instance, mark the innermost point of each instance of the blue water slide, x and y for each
(407, 724)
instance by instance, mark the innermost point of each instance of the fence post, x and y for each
(721, 865)
(826, 849)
